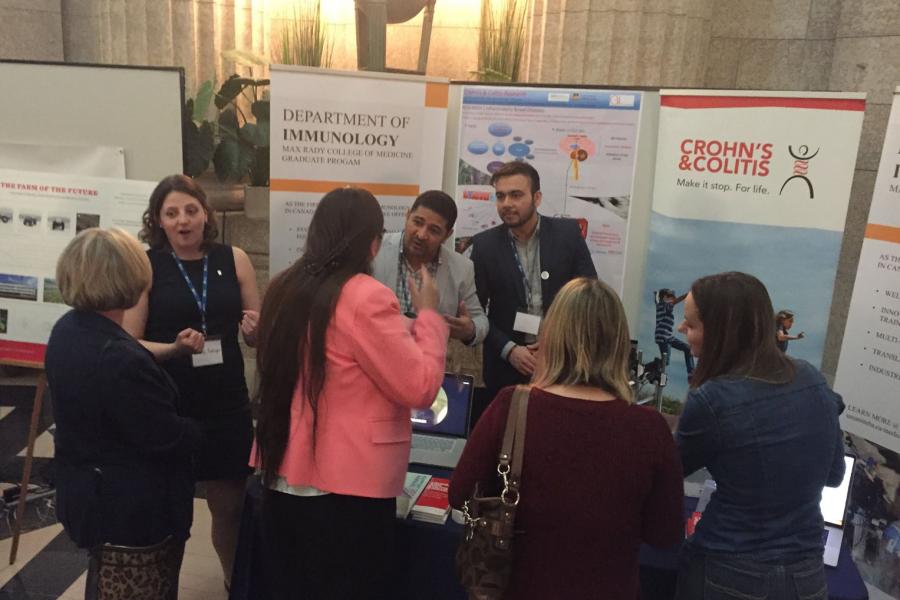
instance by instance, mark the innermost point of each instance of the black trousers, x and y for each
(330, 547)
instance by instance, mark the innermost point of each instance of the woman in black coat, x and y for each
(124, 481)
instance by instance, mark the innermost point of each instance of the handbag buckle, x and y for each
(468, 521)
(509, 496)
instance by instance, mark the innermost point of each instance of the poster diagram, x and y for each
(40, 213)
(583, 144)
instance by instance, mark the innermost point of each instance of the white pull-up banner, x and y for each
(378, 131)
(868, 374)
(756, 182)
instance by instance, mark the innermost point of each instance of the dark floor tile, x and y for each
(50, 573)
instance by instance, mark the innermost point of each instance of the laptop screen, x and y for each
(834, 499)
(449, 415)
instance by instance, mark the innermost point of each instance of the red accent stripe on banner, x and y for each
(856, 104)
(23, 354)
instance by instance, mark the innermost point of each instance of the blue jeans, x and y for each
(739, 577)
(676, 343)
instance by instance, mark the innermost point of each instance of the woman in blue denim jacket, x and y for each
(766, 427)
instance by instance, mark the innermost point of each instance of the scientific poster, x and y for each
(868, 374)
(756, 182)
(583, 144)
(382, 132)
(39, 214)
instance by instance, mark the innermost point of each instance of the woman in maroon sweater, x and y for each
(600, 475)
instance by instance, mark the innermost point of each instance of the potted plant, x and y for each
(198, 135)
(304, 37)
(501, 40)
(242, 152)
(236, 142)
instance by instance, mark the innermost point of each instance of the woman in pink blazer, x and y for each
(339, 371)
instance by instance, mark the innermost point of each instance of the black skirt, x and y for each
(224, 451)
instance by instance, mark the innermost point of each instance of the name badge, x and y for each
(211, 355)
(526, 323)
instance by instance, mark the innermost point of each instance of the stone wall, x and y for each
(31, 30)
(620, 42)
(831, 45)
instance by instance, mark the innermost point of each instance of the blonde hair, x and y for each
(103, 269)
(584, 339)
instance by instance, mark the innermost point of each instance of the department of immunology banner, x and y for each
(381, 132)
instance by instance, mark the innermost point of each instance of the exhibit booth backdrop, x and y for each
(868, 373)
(756, 182)
(607, 186)
(382, 132)
(582, 142)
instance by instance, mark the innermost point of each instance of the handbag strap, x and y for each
(509, 463)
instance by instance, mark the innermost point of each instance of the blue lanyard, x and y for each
(402, 287)
(525, 280)
(199, 298)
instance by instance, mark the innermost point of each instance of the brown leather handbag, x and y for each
(484, 557)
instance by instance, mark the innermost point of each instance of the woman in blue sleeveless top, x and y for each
(202, 295)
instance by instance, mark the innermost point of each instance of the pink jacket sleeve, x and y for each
(408, 366)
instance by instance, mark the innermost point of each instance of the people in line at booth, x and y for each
(339, 370)
(766, 427)
(202, 294)
(520, 265)
(599, 475)
(784, 320)
(429, 223)
(124, 486)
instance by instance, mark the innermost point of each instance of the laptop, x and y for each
(834, 508)
(440, 432)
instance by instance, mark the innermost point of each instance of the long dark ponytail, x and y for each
(298, 307)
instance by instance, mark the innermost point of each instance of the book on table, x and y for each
(433, 505)
(412, 489)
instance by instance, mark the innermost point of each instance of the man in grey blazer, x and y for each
(403, 254)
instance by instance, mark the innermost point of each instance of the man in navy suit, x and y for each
(519, 267)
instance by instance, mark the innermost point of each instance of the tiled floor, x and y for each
(49, 566)
(201, 574)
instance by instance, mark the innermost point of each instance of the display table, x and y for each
(659, 568)
(425, 560)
